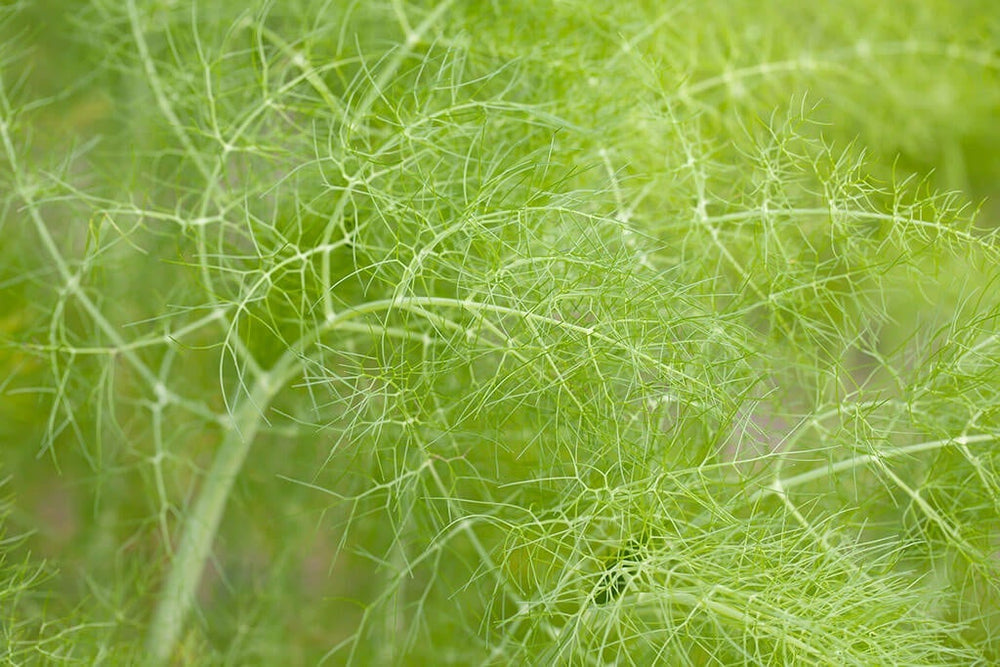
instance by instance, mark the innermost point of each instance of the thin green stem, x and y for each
(782, 485)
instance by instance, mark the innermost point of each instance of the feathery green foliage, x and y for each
(567, 332)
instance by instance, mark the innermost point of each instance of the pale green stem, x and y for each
(864, 459)
(201, 524)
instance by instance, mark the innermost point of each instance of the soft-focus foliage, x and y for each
(559, 332)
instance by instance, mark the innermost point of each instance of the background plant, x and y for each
(500, 333)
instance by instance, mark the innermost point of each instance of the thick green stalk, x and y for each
(202, 522)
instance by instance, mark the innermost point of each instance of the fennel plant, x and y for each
(404, 332)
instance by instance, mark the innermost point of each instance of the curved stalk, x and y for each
(202, 522)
